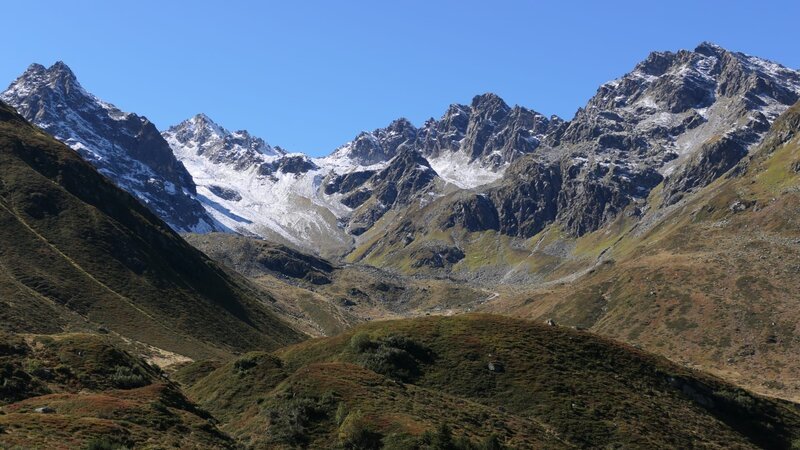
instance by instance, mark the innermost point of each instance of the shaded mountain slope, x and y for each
(78, 251)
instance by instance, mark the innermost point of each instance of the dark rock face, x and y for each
(383, 144)
(488, 131)
(296, 265)
(475, 213)
(408, 176)
(227, 194)
(294, 164)
(499, 134)
(712, 161)
(437, 256)
(356, 198)
(348, 182)
(124, 147)
(527, 205)
(593, 196)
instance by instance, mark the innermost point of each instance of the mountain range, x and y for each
(626, 278)
(683, 118)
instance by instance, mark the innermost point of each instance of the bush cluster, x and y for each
(397, 357)
(125, 377)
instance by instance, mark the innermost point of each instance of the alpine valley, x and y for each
(494, 278)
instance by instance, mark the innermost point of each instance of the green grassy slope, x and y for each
(547, 387)
(711, 282)
(79, 390)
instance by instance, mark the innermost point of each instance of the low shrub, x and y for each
(396, 357)
(125, 377)
(356, 434)
(106, 443)
(291, 418)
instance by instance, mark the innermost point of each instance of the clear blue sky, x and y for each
(309, 75)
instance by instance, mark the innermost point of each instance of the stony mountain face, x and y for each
(380, 145)
(682, 118)
(686, 117)
(469, 145)
(488, 130)
(238, 149)
(408, 176)
(123, 146)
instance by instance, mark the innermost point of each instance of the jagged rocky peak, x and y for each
(468, 146)
(125, 147)
(488, 131)
(686, 81)
(406, 177)
(674, 105)
(59, 72)
(683, 117)
(40, 91)
(490, 105)
(201, 136)
(514, 132)
(380, 145)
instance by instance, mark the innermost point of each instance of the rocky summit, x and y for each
(684, 118)
(125, 147)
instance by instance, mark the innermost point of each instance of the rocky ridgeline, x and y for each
(239, 148)
(125, 147)
(488, 134)
(682, 118)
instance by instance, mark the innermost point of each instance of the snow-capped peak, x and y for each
(124, 147)
(201, 136)
(58, 80)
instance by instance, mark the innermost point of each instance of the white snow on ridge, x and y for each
(456, 168)
(269, 203)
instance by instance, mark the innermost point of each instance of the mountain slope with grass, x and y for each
(82, 391)
(326, 298)
(78, 253)
(528, 385)
(710, 281)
